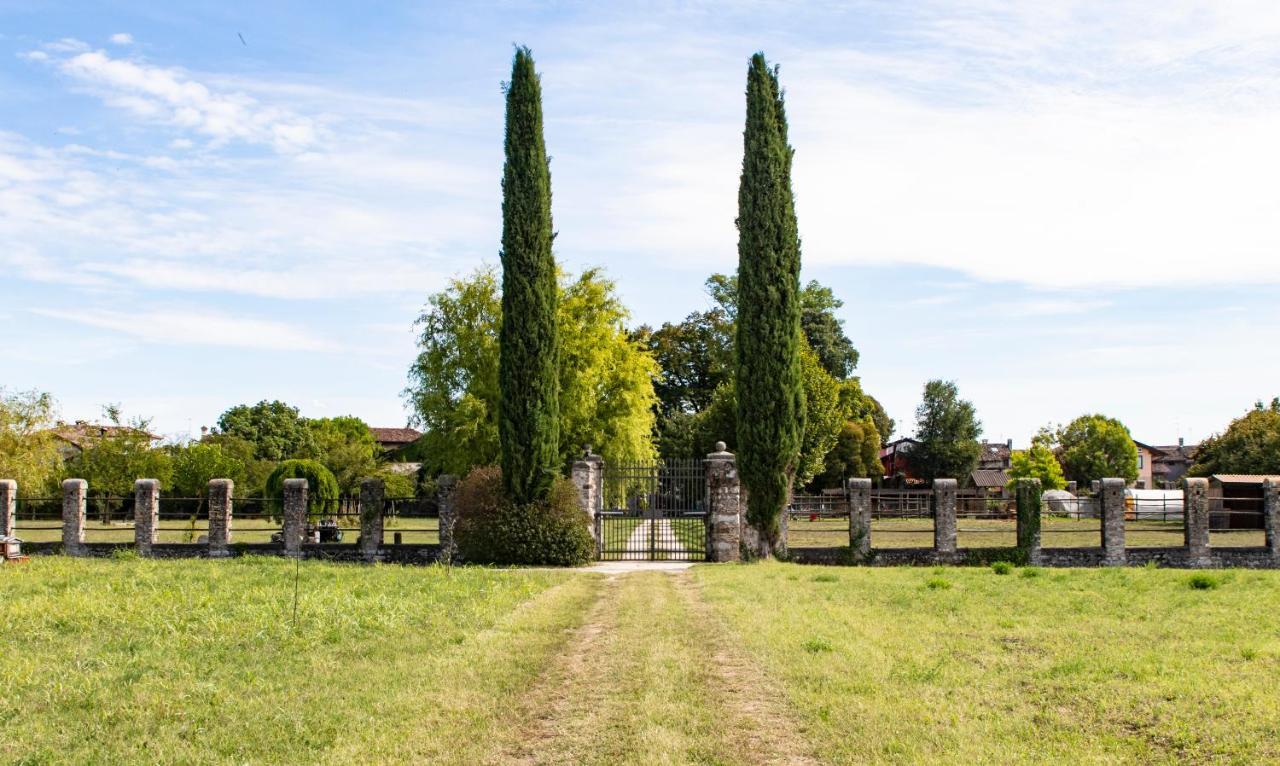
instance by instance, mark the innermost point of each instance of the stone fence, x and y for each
(219, 541)
(725, 526)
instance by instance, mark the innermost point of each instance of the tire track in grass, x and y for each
(649, 679)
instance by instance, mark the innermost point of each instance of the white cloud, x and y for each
(122, 38)
(175, 97)
(194, 327)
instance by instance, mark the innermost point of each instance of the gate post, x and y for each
(74, 495)
(588, 476)
(220, 492)
(146, 514)
(447, 518)
(858, 493)
(724, 525)
(8, 506)
(1195, 520)
(944, 515)
(1027, 494)
(295, 516)
(1271, 517)
(371, 491)
(1112, 497)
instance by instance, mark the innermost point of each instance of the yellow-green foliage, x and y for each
(28, 452)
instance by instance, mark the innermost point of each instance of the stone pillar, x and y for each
(371, 494)
(724, 506)
(858, 494)
(944, 515)
(146, 514)
(588, 476)
(448, 517)
(220, 492)
(1271, 513)
(1195, 520)
(1029, 510)
(75, 492)
(1112, 499)
(295, 516)
(8, 506)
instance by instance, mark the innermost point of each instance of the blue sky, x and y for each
(1064, 206)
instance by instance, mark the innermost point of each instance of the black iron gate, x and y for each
(653, 512)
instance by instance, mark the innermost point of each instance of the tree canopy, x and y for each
(528, 344)
(1094, 447)
(28, 451)
(345, 446)
(948, 430)
(1251, 444)
(275, 429)
(453, 384)
(194, 465)
(768, 374)
(322, 487)
(1037, 462)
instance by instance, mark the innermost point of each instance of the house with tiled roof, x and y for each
(395, 439)
(74, 438)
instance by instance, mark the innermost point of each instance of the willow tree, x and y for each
(529, 387)
(770, 386)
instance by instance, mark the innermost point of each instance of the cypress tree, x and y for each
(529, 387)
(770, 389)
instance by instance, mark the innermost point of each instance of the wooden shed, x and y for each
(1235, 500)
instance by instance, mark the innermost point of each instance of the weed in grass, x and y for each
(1001, 567)
(937, 583)
(1248, 654)
(1152, 564)
(817, 646)
(1031, 572)
(125, 554)
(1203, 581)
(826, 578)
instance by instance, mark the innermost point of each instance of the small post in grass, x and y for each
(1112, 497)
(8, 506)
(445, 486)
(944, 515)
(1271, 511)
(220, 492)
(858, 492)
(75, 492)
(295, 516)
(146, 514)
(371, 492)
(1027, 493)
(1195, 520)
(724, 506)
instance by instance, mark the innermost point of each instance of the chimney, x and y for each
(1009, 444)
(1181, 442)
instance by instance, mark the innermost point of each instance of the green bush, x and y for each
(491, 529)
(322, 487)
(1203, 581)
(937, 583)
(1001, 567)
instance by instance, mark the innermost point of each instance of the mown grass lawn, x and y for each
(1038, 666)
(130, 661)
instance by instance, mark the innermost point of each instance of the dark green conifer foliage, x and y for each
(771, 405)
(529, 403)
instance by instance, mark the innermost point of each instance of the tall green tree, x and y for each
(529, 409)
(1094, 447)
(345, 446)
(856, 454)
(948, 429)
(453, 384)
(1251, 444)
(28, 452)
(1038, 462)
(275, 429)
(770, 388)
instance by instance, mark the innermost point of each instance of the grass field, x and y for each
(126, 660)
